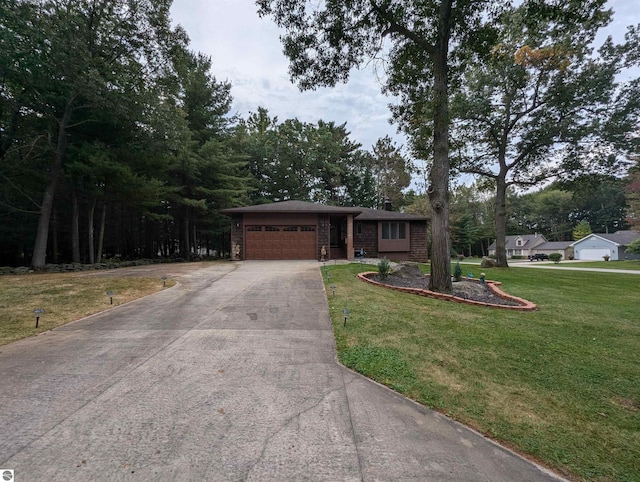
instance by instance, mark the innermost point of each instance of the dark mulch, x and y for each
(469, 290)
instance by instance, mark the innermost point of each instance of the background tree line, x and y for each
(604, 204)
(117, 140)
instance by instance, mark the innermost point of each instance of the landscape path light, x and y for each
(38, 312)
(164, 281)
(345, 312)
(110, 295)
(333, 289)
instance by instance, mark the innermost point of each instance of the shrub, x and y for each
(457, 272)
(634, 247)
(555, 257)
(384, 268)
(517, 256)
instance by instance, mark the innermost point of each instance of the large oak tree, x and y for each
(542, 104)
(424, 44)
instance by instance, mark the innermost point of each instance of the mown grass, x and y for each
(633, 264)
(64, 297)
(560, 384)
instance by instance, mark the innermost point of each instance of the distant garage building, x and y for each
(595, 247)
(304, 230)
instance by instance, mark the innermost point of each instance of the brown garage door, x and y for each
(280, 242)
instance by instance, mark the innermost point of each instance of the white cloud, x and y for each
(246, 51)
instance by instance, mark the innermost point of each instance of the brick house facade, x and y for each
(299, 230)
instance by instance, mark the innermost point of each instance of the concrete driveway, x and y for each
(229, 376)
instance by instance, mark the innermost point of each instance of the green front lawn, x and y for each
(633, 264)
(561, 384)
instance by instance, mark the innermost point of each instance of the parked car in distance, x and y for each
(538, 257)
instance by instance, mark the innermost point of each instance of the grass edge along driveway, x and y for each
(559, 385)
(65, 297)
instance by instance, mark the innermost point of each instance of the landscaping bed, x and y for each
(410, 279)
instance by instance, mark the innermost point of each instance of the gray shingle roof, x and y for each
(293, 207)
(621, 238)
(554, 245)
(368, 214)
(362, 214)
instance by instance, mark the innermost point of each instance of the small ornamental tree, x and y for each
(384, 268)
(457, 272)
(582, 230)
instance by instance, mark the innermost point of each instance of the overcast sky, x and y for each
(246, 51)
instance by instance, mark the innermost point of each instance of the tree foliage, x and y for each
(634, 247)
(542, 105)
(114, 138)
(425, 44)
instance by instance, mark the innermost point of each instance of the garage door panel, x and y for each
(280, 242)
(594, 254)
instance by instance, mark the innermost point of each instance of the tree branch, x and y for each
(395, 27)
(479, 171)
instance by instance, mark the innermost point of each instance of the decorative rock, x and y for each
(488, 263)
(407, 271)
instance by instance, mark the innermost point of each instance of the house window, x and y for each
(394, 230)
(518, 242)
(358, 228)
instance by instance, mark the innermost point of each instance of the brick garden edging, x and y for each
(523, 305)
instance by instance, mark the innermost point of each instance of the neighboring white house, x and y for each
(596, 246)
(520, 245)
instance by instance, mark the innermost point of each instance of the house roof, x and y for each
(304, 207)
(293, 207)
(529, 241)
(619, 238)
(369, 214)
(554, 245)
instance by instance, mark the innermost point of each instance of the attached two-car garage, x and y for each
(280, 242)
(594, 254)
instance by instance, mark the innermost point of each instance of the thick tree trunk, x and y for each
(184, 242)
(54, 247)
(194, 239)
(501, 223)
(39, 257)
(103, 218)
(90, 237)
(75, 229)
(440, 279)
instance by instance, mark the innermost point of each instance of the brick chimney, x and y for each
(387, 205)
